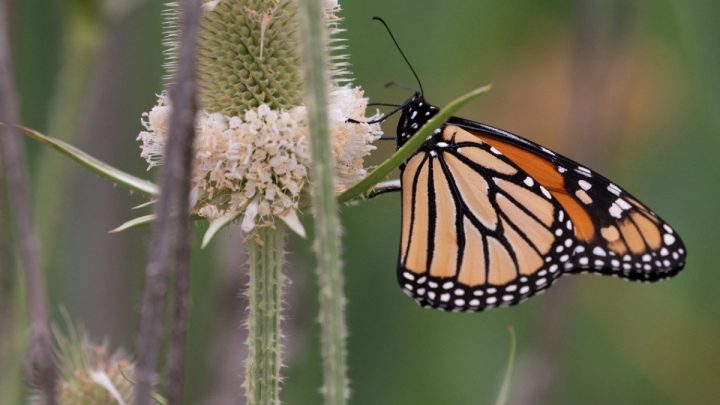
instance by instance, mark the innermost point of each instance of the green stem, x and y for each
(410, 146)
(262, 367)
(504, 393)
(333, 327)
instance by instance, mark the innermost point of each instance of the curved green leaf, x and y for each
(134, 223)
(216, 225)
(504, 394)
(410, 146)
(95, 165)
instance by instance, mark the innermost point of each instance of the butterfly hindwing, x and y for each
(478, 231)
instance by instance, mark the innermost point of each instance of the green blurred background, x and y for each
(630, 87)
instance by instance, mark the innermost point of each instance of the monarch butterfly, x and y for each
(490, 218)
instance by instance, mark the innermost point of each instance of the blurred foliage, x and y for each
(655, 132)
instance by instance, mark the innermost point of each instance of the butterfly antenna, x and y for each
(397, 109)
(383, 105)
(422, 93)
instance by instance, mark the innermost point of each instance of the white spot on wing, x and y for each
(623, 204)
(584, 184)
(668, 239)
(545, 192)
(584, 171)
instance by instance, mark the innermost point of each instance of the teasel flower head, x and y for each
(252, 143)
(90, 373)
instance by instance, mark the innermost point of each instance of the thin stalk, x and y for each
(170, 243)
(313, 38)
(40, 368)
(81, 39)
(262, 367)
(9, 349)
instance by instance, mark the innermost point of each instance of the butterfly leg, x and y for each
(384, 187)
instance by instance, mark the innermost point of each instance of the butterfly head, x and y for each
(415, 113)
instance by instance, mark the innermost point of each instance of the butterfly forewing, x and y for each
(616, 234)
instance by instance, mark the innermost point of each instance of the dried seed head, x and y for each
(90, 373)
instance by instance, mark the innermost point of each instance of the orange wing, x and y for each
(491, 221)
(491, 218)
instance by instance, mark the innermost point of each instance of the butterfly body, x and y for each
(490, 219)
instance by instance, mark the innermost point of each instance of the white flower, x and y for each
(257, 165)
